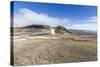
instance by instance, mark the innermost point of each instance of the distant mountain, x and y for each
(46, 29)
(61, 30)
(82, 32)
(38, 26)
(55, 30)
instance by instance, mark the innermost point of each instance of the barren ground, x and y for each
(47, 49)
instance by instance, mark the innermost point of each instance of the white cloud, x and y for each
(88, 24)
(27, 17)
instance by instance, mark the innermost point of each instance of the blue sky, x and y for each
(67, 15)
